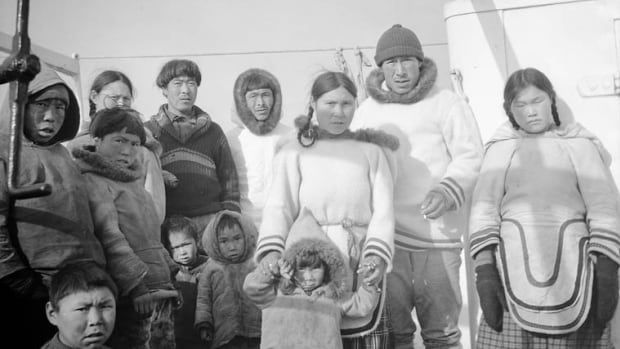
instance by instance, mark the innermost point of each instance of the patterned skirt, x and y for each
(378, 339)
(589, 336)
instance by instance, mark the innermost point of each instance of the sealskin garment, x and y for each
(222, 306)
(253, 145)
(148, 156)
(294, 318)
(202, 163)
(187, 283)
(46, 232)
(440, 148)
(125, 212)
(347, 185)
(548, 202)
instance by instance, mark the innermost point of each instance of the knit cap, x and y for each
(398, 41)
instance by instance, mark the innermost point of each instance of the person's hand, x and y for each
(605, 289)
(145, 304)
(436, 204)
(491, 293)
(269, 264)
(286, 271)
(170, 180)
(205, 336)
(372, 269)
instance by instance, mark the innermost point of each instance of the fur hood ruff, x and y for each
(245, 114)
(210, 241)
(428, 76)
(90, 161)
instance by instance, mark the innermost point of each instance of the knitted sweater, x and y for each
(203, 165)
(548, 201)
(440, 148)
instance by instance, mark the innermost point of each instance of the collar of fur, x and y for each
(93, 162)
(368, 135)
(428, 76)
(245, 114)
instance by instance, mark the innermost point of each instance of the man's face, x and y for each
(401, 73)
(119, 147)
(84, 319)
(259, 102)
(181, 93)
(183, 246)
(45, 115)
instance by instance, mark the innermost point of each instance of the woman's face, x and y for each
(114, 94)
(531, 109)
(334, 110)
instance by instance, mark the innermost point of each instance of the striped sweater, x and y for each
(202, 163)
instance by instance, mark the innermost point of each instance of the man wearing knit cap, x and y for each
(438, 161)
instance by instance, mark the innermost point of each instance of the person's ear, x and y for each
(50, 312)
(164, 92)
(313, 104)
(97, 141)
(93, 96)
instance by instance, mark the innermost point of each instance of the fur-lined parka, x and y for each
(292, 318)
(222, 307)
(126, 221)
(253, 143)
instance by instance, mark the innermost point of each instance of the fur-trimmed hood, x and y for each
(307, 236)
(245, 114)
(426, 81)
(368, 135)
(47, 77)
(88, 160)
(210, 241)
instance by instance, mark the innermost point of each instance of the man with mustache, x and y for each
(438, 160)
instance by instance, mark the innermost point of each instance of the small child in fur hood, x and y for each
(303, 308)
(225, 316)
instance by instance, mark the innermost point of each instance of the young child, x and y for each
(305, 309)
(225, 316)
(180, 237)
(124, 212)
(39, 235)
(82, 306)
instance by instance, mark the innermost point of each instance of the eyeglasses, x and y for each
(111, 101)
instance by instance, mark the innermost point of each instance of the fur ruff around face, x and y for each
(245, 114)
(428, 76)
(211, 243)
(330, 255)
(368, 135)
(90, 161)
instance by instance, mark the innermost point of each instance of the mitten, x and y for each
(26, 284)
(605, 291)
(491, 293)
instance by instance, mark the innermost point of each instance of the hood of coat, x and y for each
(210, 241)
(47, 77)
(428, 76)
(245, 114)
(569, 130)
(89, 161)
(306, 235)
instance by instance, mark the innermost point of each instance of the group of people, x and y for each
(171, 233)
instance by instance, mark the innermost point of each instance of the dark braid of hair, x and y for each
(554, 112)
(92, 108)
(307, 132)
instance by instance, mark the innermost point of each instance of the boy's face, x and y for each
(310, 278)
(181, 93)
(85, 319)
(231, 242)
(45, 115)
(259, 102)
(119, 147)
(183, 246)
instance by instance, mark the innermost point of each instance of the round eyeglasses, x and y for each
(111, 101)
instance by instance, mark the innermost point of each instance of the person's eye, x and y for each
(519, 105)
(41, 105)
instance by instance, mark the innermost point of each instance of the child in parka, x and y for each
(303, 308)
(39, 235)
(124, 211)
(180, 236)
(225, 316)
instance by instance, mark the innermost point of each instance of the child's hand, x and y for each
(285, 269)
(144, 304)
(205, 335)
(170, 180)
(372, 269)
